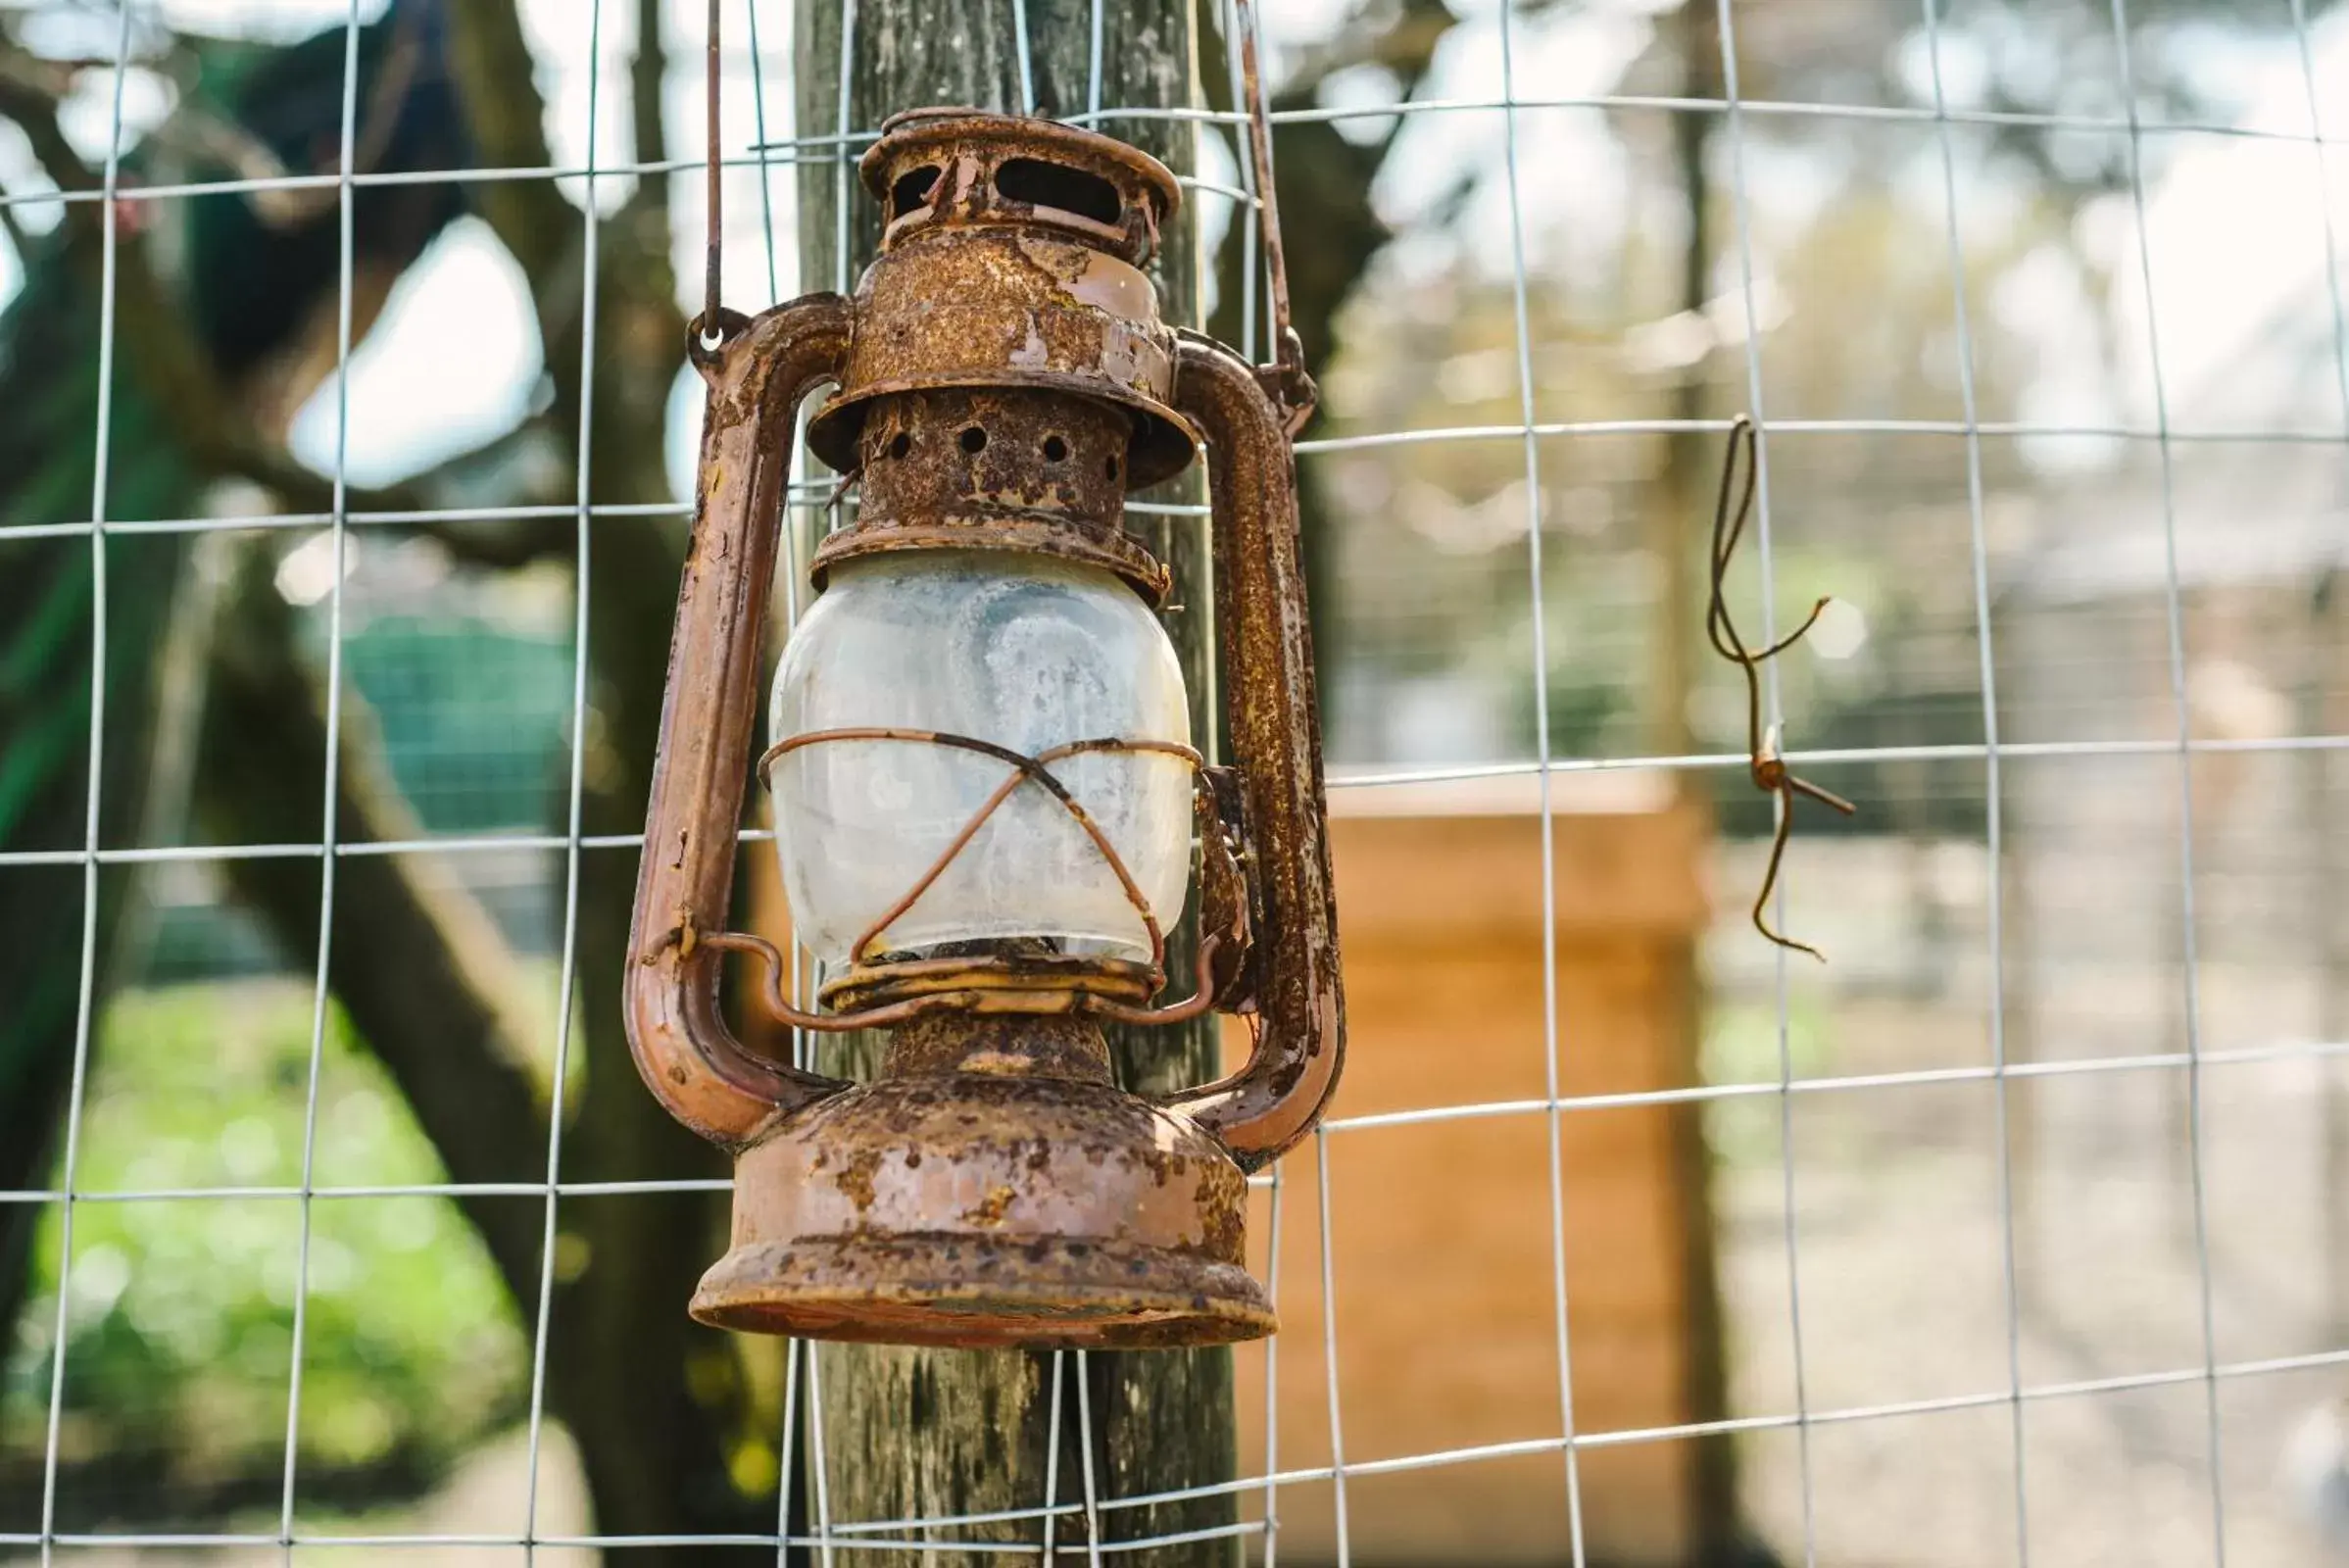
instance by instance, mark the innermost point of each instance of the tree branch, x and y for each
(641, 329)
(506, 544)
(648, 74)
(40, 83)
(495, 81)
(528, 466)
(35, 112)
(517, 468)
(12, 229)
(163, 354)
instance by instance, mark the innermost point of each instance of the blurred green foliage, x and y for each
(472, 714)
(1745, 1042)
(180, 1314)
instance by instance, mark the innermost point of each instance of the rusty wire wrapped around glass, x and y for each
(1106, 989)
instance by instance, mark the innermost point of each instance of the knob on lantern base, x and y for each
(992, 1187)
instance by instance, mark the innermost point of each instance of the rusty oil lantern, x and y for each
(986, 794)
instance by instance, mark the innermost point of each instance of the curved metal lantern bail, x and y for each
(1295, 991)
(689, 1057)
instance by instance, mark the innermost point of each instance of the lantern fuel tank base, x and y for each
(1037, 1293)
(990, 1186)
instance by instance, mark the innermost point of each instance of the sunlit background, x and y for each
(2022, 370)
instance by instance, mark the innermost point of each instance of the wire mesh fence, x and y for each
(2058, 1131)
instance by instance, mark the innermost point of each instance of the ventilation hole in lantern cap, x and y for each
(900, 444)
(974, 440)
(1054, 448)
(1111, 468)
(911, 191)
(1070, 190)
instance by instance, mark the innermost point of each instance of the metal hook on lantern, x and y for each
(1287, 379)
(709, 331)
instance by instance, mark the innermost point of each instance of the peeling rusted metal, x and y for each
(997, 469)
(1003, 381)
(975, 288)
(1007, 308)
(688, 1056)
(1300, 1003)
(1229, 898)
(887, 995)
(990, 1186)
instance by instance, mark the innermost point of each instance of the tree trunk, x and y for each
(924, 1433)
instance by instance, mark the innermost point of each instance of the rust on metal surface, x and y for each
(1002, 308)
(1297, 1003)
(670, 1000)
(971, 149)
(1764, 765)
(1229, 901)
(1012, 256)
(1003, 381)
(991, 1186)
(997, 469)
(883, 996)
(1007, 966)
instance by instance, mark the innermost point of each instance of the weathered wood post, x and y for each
(911, 1433)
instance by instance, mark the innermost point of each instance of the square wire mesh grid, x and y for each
(2015, 1394)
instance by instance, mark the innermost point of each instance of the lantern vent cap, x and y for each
(958, 167)
(1013, 257)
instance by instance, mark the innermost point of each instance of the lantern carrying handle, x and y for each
(758, 372)
(1298, 1003)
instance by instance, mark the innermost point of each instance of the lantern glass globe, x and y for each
(1025, 651)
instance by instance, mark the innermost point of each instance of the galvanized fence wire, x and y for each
(2174, 609)
(574, 796)
(84, 1003)
(1057, 1514)
(1743, 228)
(1993, 814)
(320, 992)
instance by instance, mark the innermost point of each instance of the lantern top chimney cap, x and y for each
(956, 166)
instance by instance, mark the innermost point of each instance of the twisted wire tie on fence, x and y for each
(1764, 765)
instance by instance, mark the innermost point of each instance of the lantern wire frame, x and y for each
(838, 145)
(1088, 989)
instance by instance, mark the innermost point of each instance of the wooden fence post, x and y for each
(913, 1432)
